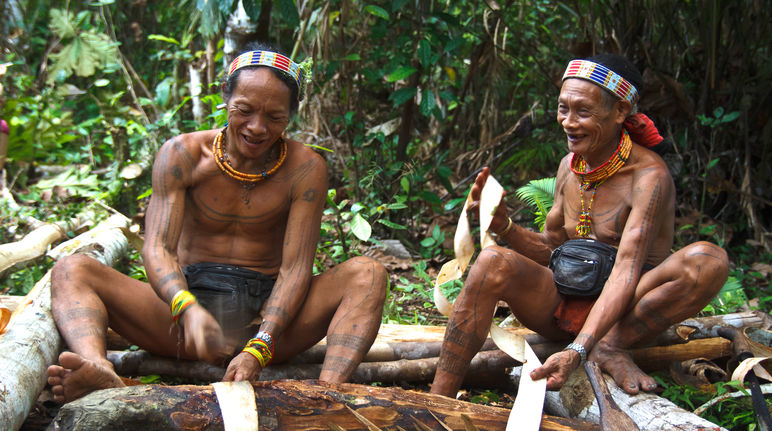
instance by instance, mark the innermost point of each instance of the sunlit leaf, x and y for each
(360, 227)
(401, 72)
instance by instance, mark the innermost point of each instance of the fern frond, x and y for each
(540, 195)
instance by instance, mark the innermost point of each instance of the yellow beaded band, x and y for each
(180, 302)
(259, 348)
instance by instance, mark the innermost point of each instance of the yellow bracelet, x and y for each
(180, 302)
(509, 227)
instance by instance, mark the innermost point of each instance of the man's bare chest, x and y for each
(607, 207)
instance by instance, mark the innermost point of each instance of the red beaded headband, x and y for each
(603, 76)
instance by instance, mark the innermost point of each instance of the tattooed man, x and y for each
(611, 189)
(231, 232)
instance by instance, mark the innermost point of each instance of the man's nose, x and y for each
(257, 124)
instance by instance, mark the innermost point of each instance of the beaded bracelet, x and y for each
(258, 348)
(180, 302)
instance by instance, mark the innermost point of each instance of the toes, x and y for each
(70, 360)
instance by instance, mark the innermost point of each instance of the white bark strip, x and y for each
(526, 412)
(650, 412)
(237, 404)
(32, 342)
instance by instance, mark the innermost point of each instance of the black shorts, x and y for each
(232, 294)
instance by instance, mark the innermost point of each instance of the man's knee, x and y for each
(70, 271)
(494, 270)
(707, 266)
(369, 276)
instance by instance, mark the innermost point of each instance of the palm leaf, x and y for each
(538, 194)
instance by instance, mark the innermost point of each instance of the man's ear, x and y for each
(622, 109)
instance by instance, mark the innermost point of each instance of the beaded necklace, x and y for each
(248, 181)
(593, 179)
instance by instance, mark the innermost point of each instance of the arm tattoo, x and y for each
(309, 195)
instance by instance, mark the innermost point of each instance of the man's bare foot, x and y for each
(76, 376)
(619, 364)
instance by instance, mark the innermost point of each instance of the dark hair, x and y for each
(622, 66)
(230, 83)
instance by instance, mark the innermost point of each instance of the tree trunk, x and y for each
(32, 341)
(285, 405)
(707, 327)
(649, 411)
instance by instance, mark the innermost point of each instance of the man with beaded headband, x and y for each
(610, 189)
(231, 232)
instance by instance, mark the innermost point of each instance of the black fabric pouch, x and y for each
(582, 266)
(232, 294)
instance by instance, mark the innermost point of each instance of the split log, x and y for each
(649, 411)
(286, 405)
(32, 342)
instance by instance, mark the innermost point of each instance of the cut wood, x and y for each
(612, 418)
(32, 342)
(286, 405)
(649, 411)
(660, 357)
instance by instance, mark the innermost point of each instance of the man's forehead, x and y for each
(573, 87)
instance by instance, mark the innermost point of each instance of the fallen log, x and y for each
(286, 405)
(486, 368)
(707, 327)
(32, 342)
(650, 412)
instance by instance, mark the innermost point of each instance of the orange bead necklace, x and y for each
(593, 179)
(249, 181)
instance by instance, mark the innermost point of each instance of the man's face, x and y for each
(592, 128)
(258, 112)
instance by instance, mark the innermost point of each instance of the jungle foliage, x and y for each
(409, 99)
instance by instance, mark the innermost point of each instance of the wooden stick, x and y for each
(612, 418)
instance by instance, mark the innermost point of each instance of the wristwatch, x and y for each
(578, 348)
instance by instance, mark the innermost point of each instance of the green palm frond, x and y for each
(539, 194)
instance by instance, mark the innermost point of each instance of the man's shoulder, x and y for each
(191, 144)
(647, 162)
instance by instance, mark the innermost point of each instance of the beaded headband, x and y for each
(603, 76)
(270, 59)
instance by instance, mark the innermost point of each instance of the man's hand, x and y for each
(557, 368)
(203, 335)
(243, 367)
(500, 218)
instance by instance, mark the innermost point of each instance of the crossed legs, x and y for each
(676, 289)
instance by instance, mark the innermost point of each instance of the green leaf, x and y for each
(377, 11)
(424, 53)
(288, 12)
(712, 163)
(392, 225)
(427, 242)
(399, 73)
(402, 95)
(163, 38)
(360, 227)
(405, 184)
(427, 103)
(730, 117)
(430, 197)
(718, 112)
(101, 82)
(353, 57)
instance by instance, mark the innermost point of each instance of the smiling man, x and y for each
(231, 234)
(600, 276)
